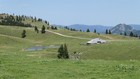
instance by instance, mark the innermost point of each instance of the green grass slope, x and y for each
(117, 59)
(124, 49)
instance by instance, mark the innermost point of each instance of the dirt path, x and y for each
(67, 35)
(109, 38)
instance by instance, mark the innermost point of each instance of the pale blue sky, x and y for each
(67, 12)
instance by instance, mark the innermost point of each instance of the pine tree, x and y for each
(66, 55)
(94, 30)
(131, 34)
(60, 52)
(36, 29)
(43, 29)
(125, 34)
(23, 35)
(88, 30)
(106, 31)
(63, 52)
(46, 22)
(55, 28)
(110, 32)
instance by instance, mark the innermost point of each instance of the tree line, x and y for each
(131, 34)
(18, 20)
(14, 21)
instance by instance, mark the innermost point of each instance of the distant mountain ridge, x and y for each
(122, 28)
(135, 26)
(99, 28)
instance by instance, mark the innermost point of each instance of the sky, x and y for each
(68, 12)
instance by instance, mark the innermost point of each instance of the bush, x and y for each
(63, 52)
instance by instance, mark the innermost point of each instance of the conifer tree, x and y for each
(36, 29)
(66, 55)
(106, 31)
(125, 34)
(43, 29)
(110, 32)
(23, 35)
(131, 34)
(88, 30)
(94, 30)
(63, 52)
(60, 52)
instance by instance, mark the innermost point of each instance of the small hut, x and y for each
(96, 41)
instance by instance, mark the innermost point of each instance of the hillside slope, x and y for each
(118, 58)
(96, 61)
(74, 44)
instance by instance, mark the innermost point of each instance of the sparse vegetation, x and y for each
(117, 59)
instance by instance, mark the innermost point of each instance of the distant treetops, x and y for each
(19, 20)
(24, 21)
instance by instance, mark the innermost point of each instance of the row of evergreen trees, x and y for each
(71, 29)
(13, 21)
(106, 32)
(17, 20)
(130, 34)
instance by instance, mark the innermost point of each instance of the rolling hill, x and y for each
(118, 58)
(71, 38)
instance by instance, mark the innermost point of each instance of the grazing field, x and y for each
(117, 59)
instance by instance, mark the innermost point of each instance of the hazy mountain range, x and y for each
(99, 28)
(120, 28)
(124, 28)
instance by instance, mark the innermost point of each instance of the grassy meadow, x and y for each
(117, 59)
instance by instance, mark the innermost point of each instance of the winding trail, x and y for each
(67, 35)
(109, 38)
